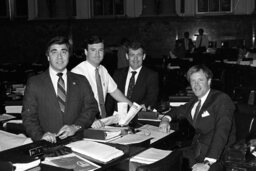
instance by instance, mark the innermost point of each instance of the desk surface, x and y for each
(21, 154)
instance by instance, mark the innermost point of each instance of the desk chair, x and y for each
(171, 162)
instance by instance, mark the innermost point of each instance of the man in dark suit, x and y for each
(57, 109)
(146, 87)
(211, 114)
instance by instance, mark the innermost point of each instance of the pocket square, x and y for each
(205, 114)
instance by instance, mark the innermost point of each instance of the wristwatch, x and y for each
(207, 162)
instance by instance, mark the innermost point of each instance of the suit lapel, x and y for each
(50, 90)
(123, 79)
(205, 106)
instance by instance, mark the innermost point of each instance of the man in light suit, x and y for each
(211, 114)
(146, 88)
(43, 115)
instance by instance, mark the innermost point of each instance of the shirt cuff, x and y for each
(168, 117)
(211, 160)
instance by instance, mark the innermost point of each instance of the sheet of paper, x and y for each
(150, 155)
(131, 139)
(5, 117)
(26, 166)
(153, 132)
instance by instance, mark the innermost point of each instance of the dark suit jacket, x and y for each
(41, 112)
(214, 126)
(145, 90)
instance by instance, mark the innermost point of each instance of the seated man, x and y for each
(57, 103)
(211, 114)
(99, 78)
(145, 86)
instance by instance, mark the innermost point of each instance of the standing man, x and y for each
(139, 83)
(202, 42)
(57, 102)
(211, 114)
(98, 77)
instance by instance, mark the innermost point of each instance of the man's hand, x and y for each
(51, 137)
(164, 125)
(66, 131)
(200, 167)
(97, 124)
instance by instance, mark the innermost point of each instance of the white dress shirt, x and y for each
(55, 77)
(88, 70)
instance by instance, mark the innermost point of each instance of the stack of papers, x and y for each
(99, 152)
(150, 155)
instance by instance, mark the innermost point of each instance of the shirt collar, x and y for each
(137, 70)
(54, 73)
(204, 97)
(91, 67)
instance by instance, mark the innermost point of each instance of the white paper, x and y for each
(122, 107)
(5, 117)
(131, 139)
(126, 118)
(150, 155)
(26, 166)
(153, 132)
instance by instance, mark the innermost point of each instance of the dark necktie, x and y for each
(197, 111)
(100, 93)
(131, 85)
(61, 93)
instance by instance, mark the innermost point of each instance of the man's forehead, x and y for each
(96, 45)
(58, 46)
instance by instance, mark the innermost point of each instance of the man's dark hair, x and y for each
(186, 34)
(201, 31)
(93, 40)
(197, 68)
(135, 45)
(59, 40)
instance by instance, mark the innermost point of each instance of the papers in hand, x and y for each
(150, 155)
(124, 118)
(99, 152)
(71, 161)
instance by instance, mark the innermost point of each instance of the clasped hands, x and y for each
(64, 132)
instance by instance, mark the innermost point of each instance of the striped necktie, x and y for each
(100, 93)
(61, 93)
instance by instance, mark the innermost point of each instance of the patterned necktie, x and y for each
(197, 111)
(61, 93)
(100, 93)
(131, 85)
